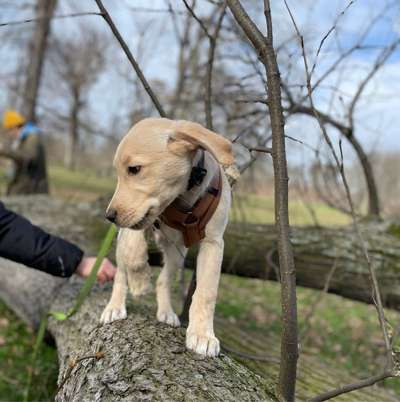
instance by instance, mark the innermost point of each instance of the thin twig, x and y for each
(209, 71)
(46, 17)
(352, 387)
(265, 150)
(385, 54)
(328, 33)
(130, 57)
(168, 10)
(198, 19)
(304, 333)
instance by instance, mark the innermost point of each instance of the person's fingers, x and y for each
(101, 277)
(106, 272)
(109, 270)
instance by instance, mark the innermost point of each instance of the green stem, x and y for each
(83, 293)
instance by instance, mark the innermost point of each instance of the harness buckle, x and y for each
(191, 220)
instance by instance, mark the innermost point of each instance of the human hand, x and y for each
(106, 271)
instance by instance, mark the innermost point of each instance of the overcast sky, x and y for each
(378, 113)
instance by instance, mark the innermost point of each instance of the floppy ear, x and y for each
(179, 146)
(193, 135)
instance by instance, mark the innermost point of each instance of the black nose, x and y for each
(111, 215)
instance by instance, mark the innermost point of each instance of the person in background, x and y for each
(25, 243)
(29, 175)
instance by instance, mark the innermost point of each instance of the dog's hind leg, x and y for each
(174, 255)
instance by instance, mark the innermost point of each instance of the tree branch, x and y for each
(265, 50)
(130, 57)
(210, 65)
(352, 387)
(47, 17)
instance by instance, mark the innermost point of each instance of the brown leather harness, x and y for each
(192, 222)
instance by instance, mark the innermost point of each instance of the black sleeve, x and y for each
(27, 244)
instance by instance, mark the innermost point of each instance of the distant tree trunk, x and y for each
(348, 133)
(35, 62)
(251, 251)
(73, 131)
(36, 56)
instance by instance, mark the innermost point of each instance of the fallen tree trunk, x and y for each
(250, 251)
(139, 359)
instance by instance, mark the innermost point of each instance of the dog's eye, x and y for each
(132, 170)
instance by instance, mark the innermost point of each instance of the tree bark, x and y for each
(36, 56)
(143, 360)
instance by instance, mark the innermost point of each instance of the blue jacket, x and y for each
(29, 128)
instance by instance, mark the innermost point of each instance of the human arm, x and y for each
(24, 153)
(23, 242)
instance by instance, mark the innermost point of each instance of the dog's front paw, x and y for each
(168, 317)
(202, 344)
(113, 313)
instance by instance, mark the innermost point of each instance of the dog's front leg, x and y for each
(115, 309)
(200, 334)
(132, 269)
(174, 255)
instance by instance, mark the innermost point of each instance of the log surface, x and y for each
(143, 360)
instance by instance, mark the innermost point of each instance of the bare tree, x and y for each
(36, 55)
(78, 64)
(264, 47)
(348, 126)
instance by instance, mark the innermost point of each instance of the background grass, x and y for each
(86, 185)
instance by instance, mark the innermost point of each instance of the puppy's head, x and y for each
(153, 163)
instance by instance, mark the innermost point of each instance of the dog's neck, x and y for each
(188, 198)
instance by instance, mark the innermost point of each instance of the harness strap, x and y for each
(192, 222)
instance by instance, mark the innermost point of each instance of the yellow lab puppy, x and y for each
(154, 162)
